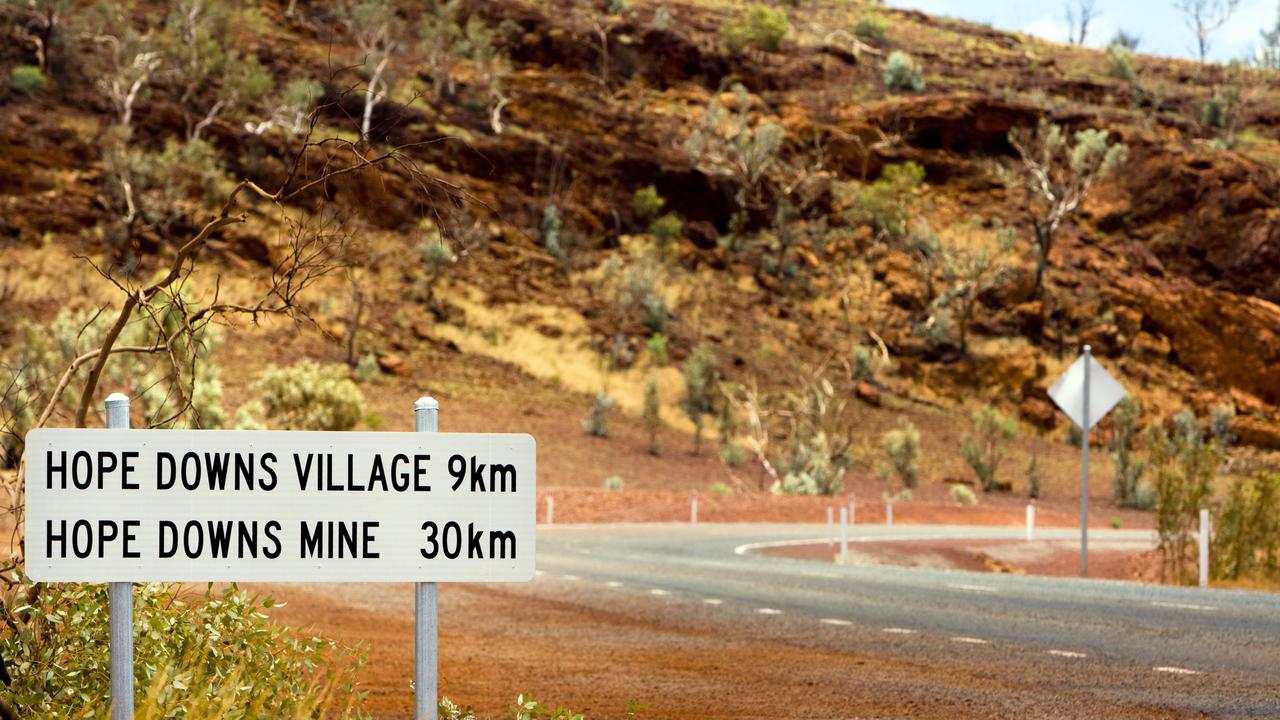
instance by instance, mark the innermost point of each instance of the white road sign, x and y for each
(1104, 391)
(228, 505)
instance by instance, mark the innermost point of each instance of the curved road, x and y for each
(1190, 651)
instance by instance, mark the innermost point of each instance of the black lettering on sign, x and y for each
(165, 463)
(448, 540)
(126, 468)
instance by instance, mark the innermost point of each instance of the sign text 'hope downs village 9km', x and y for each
(238, 505)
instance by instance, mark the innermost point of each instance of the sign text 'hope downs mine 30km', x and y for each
(235, 505)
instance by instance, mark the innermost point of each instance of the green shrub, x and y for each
(1246, 538)
(550, 232)
(731, 454)
(885, 204)
(1184, 463)
(652, 412)
(190, 653)
(646, 203)
(27, 79)
(1033, 479)
(902, 448)
(902, 72)
(701, 377)
(1115, 523)
(613, 482)
(1121, 65)
(368, 370)
(309, 396)
(962, 495)
(720, 488)
(763, 28)
(596, 421)
(666, 231)
(862, 367)
(870, 26)
(1222, 425)
(656, 347)
(984, 453)
(1127, 469)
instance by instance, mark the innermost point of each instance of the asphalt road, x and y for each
(1202, 652)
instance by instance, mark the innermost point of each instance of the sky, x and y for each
(1160, 26)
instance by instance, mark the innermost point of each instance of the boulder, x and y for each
(1258, 432)
(1038, 412)
(867, 393)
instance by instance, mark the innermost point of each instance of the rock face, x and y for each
(1228, 340)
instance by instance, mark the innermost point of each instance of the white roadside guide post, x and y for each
(852, 508)
(551, 507)
(888, 513)
(133, 507)
(693, 509)
(1204, 547)
(1086, 392)
(1031, 520)
(120, 600)
(831, 528)
(426, 653)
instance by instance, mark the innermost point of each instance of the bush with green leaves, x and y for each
(1121, 65)
(885, 204)
(613, 482)
(861, 367)
(191, 650)
(646, 203)
(27, 79)
(652, 412)
(902, 72)
(870, 26)
(719, 488)
(972, 262)
(437, 257)
(550, 229)
(701, 380)
(763, 29)
(731, 453)
(1127, 468)
(656, 348)
(731, 143)
(596, 421)
(368, 370)
(962, 495)
(309, 396)
(1246, 537)
(1033, 478)
(902, 451)
(1184, 461)
(635, 287)
(984, 450)
(666, 231)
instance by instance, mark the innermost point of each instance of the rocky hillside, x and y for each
(797, 243)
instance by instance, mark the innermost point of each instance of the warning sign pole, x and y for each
(1084, 470)
(120, 600)
(426, 415)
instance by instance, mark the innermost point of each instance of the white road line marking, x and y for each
(834, 621)
(971, 588)
(613, 584)
(900, 631)
(1182, 606)
(712, 601)
(971, 640)
(658, 591)
(1067, 653)
(1176, 670)
(768, 611)
(572, 577)
(829, 576)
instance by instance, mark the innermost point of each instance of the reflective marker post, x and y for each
(426, 416)
(120, 600)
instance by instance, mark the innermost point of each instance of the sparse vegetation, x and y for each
(701, 378)
(596, 421)
(962, 495)
(309, 396)
(986, 447)
(1127, 468)
(886, 203)
(666, 232)
(1246, 537)
(902, 72)
(1033, 479)
(870, 26)
(27, 79)
(762, 28)
(646, 203)
(613, 482)
(1184, 461)
(902, 449)
(652, 413)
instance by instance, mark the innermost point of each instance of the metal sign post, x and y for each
(120, 600)
(1086, 392)
(426, 655)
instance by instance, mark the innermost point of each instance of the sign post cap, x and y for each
(117, 399)
(426, 403)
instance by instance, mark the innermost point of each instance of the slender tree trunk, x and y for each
(371, 96)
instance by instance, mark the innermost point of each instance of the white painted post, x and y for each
(831, 530)
(852, 509)
(1084, 469)
(844, 536)
(888, 514)
(1204, 547)
(693, 509)
(1031, 521)
(551, 507)
(120, 601)
(426, 655)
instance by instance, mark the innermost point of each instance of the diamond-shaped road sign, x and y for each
(1104, 391)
